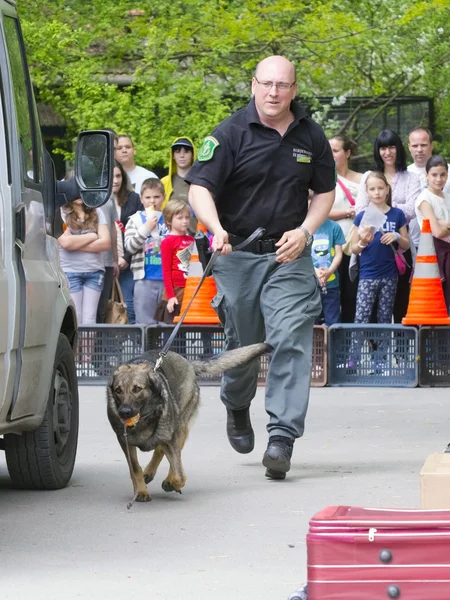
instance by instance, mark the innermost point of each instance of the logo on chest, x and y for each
(301, 155)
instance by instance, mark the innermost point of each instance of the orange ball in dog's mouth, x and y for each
(132, 421)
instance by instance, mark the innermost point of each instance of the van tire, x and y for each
(44, 458)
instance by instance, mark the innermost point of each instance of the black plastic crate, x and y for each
(102, 348)
(319, 370)
(379, 355)
(197, 342)
(434, 362)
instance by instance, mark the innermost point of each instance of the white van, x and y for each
(38, 329)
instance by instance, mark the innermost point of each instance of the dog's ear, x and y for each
(155, 383)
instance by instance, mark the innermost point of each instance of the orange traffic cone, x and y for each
(426, 300)
(201, 312)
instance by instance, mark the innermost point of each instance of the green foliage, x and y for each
(189, 62)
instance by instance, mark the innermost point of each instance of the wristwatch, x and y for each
(308, 236)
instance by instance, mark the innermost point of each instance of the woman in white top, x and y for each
(434, 204)
(343, 212)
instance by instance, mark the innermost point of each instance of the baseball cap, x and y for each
(182, 142)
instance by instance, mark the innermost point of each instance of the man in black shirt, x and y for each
(255, 171)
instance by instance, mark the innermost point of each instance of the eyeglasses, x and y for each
(281, 87)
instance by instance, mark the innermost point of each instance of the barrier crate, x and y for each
(380, 355)
(434, 363)
(319, 371)
(102, 348)
(197, 342)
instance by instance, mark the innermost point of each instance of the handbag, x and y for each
(116, 313)
(400, 261)
(347, 247)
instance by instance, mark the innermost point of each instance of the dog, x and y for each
(156, 409)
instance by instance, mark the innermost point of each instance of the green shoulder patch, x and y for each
(207, 149)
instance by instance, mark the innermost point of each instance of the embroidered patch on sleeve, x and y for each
(207, 149)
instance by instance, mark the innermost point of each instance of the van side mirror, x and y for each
(94, 164)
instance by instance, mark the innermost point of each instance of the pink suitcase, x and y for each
(374, 554)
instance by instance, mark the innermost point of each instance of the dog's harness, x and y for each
(256, 235)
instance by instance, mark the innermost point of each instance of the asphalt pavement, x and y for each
(232, 534)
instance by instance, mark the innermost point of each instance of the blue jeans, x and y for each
(127, 284)
(331, 306)
(93, 280)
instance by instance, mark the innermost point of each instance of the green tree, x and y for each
(188, 63)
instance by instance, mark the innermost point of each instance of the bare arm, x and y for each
(403, 239)
(325, 274)
(102, 243)
(71, 242)
(336, 214)
(336, 260)
(205, 210)
(439, 229)
(114, 243)
(293, 242)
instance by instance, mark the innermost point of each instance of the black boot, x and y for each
(239, 430)
(277, 457)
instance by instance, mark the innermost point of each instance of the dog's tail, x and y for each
(229, 359)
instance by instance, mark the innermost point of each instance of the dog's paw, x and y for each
(168, 486)
(143, 497)
(148, 477)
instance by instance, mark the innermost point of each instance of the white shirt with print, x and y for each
(137, 177)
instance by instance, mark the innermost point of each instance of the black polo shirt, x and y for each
(260, 179)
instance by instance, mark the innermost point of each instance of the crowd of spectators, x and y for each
(356, 262)
(365, 266)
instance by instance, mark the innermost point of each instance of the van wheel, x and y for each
(44, 458)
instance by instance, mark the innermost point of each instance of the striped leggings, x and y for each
(379, 293)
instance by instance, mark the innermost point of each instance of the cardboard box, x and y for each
(435, 481)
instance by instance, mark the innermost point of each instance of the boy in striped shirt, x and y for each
(144, 233)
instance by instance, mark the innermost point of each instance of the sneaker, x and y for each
(277, 457)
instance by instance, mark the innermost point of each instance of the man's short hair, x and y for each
(427, 131)
(152, 183)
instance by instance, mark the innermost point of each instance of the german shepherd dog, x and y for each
(157, 408)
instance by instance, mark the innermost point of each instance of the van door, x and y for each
(7, 272)
(37, 286)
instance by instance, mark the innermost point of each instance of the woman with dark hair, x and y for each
(390, 158)
(434, 204)
(127, 203)
(343, 212)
